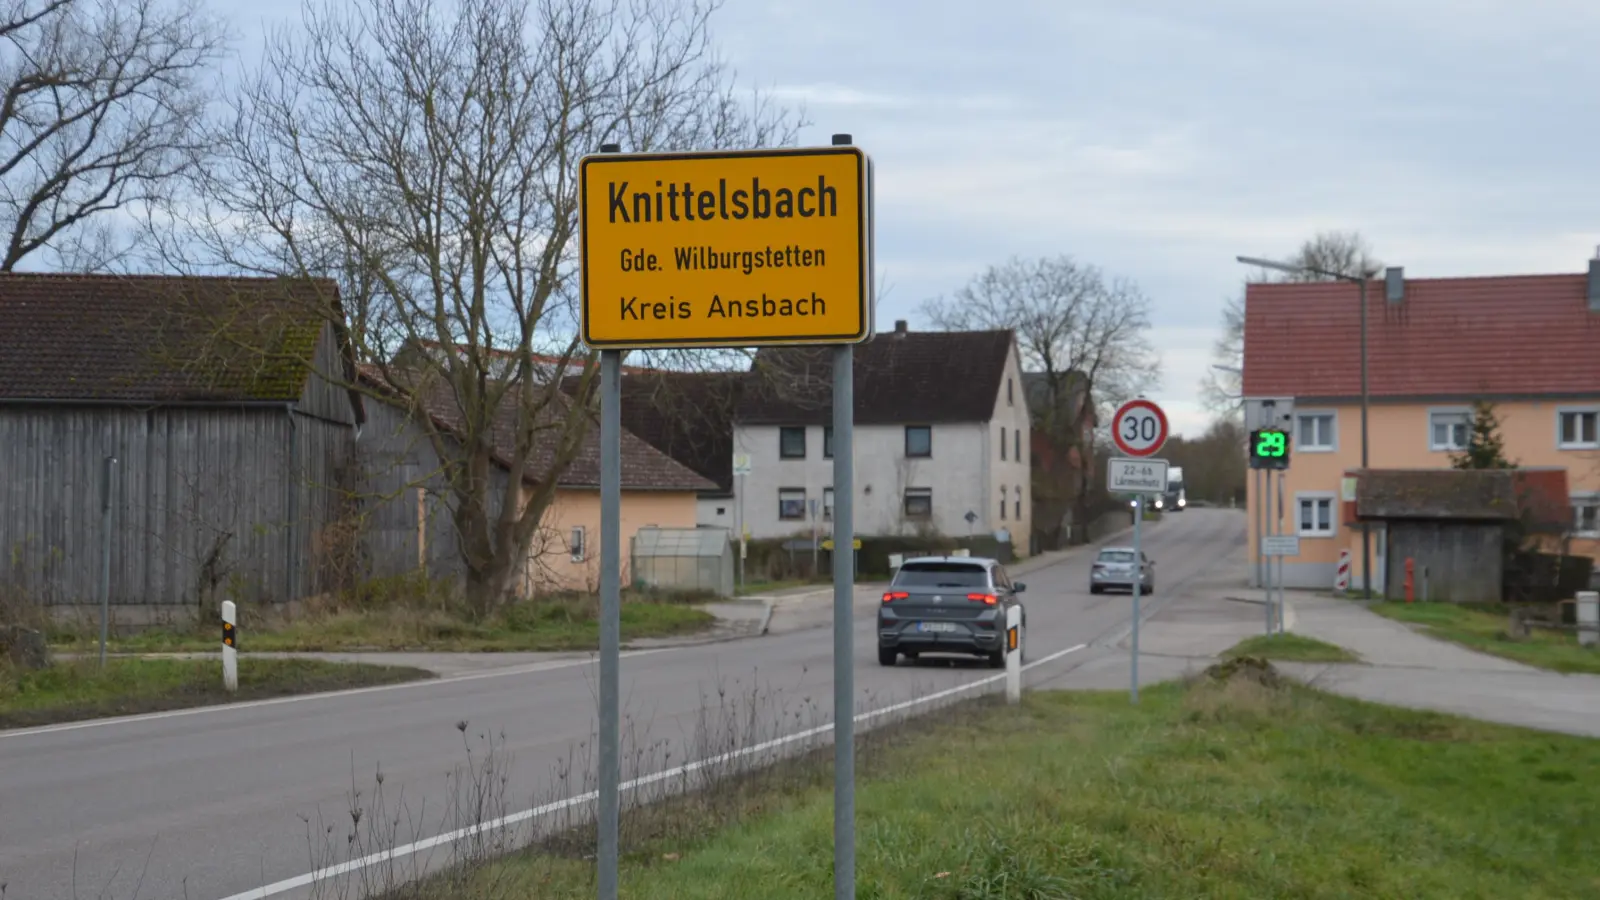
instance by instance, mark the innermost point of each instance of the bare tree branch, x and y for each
(424, 155)
(1085, 335)
(102, 106)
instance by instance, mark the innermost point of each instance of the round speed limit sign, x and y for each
(1139, 428)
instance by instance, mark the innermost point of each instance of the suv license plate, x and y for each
(937, 626)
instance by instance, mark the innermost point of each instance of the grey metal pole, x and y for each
(1267, 518)
(1366, 532)
(1261, 530)
(610, 617)
(739, 515)
(105, 556)
(844, 731)
(1279, 611)
(1138, 591)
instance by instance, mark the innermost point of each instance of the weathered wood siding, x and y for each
(326, 395)
(1464, 560)
(250, 486)
(396, 459)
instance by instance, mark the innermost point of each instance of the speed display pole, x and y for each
(659, 234)
(1138, 428)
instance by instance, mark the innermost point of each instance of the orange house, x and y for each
(1527, 344)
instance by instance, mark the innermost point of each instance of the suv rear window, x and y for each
(942, 575)
(1116, 556)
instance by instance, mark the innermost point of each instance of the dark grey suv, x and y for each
(948, 604)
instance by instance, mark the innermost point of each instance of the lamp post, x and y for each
(1361, 282)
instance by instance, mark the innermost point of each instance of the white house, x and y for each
(941, 438)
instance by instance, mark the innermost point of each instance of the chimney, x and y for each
(1394, 284)
(1594, 282)
(899, 326)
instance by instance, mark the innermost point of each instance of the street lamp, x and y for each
(1361, 281)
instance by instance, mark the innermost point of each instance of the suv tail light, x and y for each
(890, 596)
(987, 599)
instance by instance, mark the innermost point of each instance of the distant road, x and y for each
(209, 804)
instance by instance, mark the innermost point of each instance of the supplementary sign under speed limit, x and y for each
(726, 249)
(1139, 428)
(1136, 476)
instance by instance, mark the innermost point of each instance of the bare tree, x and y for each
(424, 154)
(1343, 252)
(103, 110)
(1084, 334)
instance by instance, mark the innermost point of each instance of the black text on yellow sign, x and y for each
(734, 249)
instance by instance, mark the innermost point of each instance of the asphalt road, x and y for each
(216, 803)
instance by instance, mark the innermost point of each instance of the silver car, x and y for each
(1113, 568)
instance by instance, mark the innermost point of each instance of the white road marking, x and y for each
(306, 880)
(528, 668)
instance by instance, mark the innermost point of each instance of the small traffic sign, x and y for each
(1139, 428)
(741, 464)
(1280, 545)
(1136, 476)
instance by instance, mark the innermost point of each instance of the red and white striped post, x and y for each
(1341, 581)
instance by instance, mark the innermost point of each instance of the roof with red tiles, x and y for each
(1525, 335)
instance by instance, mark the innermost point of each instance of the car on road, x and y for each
(1113, 568)
(948, 604)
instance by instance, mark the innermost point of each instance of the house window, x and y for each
(1578, 429)
(1011, 399)
(791, 503)
(827, 503)
(1016, 444)
(1314, 432)
(1586, 515)
(576, 544)
(1017, 504)
(1448, 429)
(827, 442)
(1002, 445)
(792, 442)
(919, 503)
(1002, 502)
(1315, 513)
(919, 441)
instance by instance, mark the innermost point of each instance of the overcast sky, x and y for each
(1158, 139)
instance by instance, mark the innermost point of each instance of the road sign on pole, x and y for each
(1139, 428)
(1136, 476)
(719, 250)
(741, 248)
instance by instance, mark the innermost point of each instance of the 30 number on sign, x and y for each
(1139, 428)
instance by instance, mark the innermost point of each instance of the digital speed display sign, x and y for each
(1269, 448)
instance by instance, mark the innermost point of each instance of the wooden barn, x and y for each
(229, 443)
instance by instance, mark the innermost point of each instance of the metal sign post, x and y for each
(653, 274)
(1138, 428)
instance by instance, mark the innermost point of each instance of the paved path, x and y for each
(1399, 666)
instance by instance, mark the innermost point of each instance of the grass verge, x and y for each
(1290, 647)
(66, 692)
(543, 625)
(1483, 630)
(1232, 788)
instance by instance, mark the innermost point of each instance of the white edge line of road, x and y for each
(525, 669)
(310, 878)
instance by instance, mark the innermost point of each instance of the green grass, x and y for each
(1229, 790)
(546, 625)
(1486, 631)
(68, 691)
(1291, 648)
(767, 587)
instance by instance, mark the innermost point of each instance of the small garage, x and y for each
(1450, 524)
